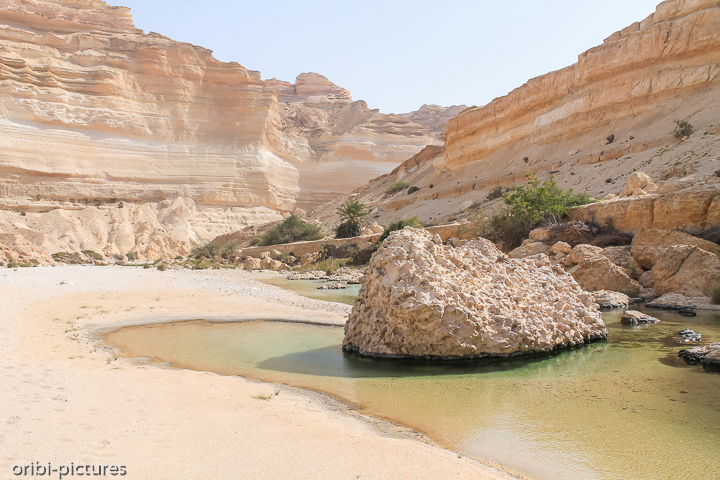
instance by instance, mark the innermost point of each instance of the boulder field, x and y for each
(420, 298)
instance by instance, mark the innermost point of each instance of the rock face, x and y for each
(421, 298)
(150, 230)
(92, 108)
(632, 86)
(346, 136)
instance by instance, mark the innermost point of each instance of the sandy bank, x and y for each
(66, 398)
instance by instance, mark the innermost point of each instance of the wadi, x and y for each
(206, 273)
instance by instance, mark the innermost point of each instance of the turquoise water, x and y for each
(627, 408)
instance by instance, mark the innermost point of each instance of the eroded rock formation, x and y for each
(421, 298)
(350, 144)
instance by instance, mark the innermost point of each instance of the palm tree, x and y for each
(354, 215)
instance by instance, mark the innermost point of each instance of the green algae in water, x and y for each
(627, 408)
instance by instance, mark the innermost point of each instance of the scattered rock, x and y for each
(687, 312)
(688, 335)
(676, 301)
(332, 286)
(314, 275)
(607, 299)
(421, 298)
(561, 247)
(708, 356)
(633, 317)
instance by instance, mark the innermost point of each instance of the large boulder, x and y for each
(679, 262)
(599, 273)
(582, 252)
(639, 183)
(649, 245)
(252, 263)
(421, 298)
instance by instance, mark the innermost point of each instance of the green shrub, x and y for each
(496, 192)
(413, 189)
(526, 207)
(162, 266)
(347, 229)
(214, 248)
(132, 256)
(354, 215)
(292, 229)
(683, 129)
(12, 264)
(71, 258)
(396, 187)
(399, 225)
(93, 255)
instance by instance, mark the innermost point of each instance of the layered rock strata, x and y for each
(345, 136)
(92, 108)
(631, 88)
(421, 298)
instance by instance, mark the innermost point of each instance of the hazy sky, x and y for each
(396, 54)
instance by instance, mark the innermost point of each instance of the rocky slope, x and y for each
(350, 144)
(590, 124)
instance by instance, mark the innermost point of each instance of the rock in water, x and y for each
(709, 356)
(633, 317)
(421, 298)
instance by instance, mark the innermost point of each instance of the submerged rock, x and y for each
(633, 317)
(421, 298)
(688, 335)
(332, 286)
(708, 356)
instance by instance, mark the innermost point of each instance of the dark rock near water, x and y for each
(687, 312)
(633, 317)
(688, 335)
(708, 356)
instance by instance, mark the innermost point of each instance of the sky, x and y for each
(396, 54)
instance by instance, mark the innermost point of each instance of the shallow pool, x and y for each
(622, 409)
(309, 288)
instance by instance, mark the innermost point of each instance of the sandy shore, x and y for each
(66, 398)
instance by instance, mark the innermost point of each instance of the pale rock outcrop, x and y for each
(268, 263)
(633, 317)
(687, 270)
(421, 298)
(150, 230)
(646, 279)
(599, 273)
(638, 184)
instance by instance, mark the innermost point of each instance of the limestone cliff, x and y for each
(350, 143)
(590, 124)
(92, 108)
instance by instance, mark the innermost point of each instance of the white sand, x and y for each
(65, 398)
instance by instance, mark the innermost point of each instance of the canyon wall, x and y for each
(92, 108)
(350, 143)
(589, 125)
